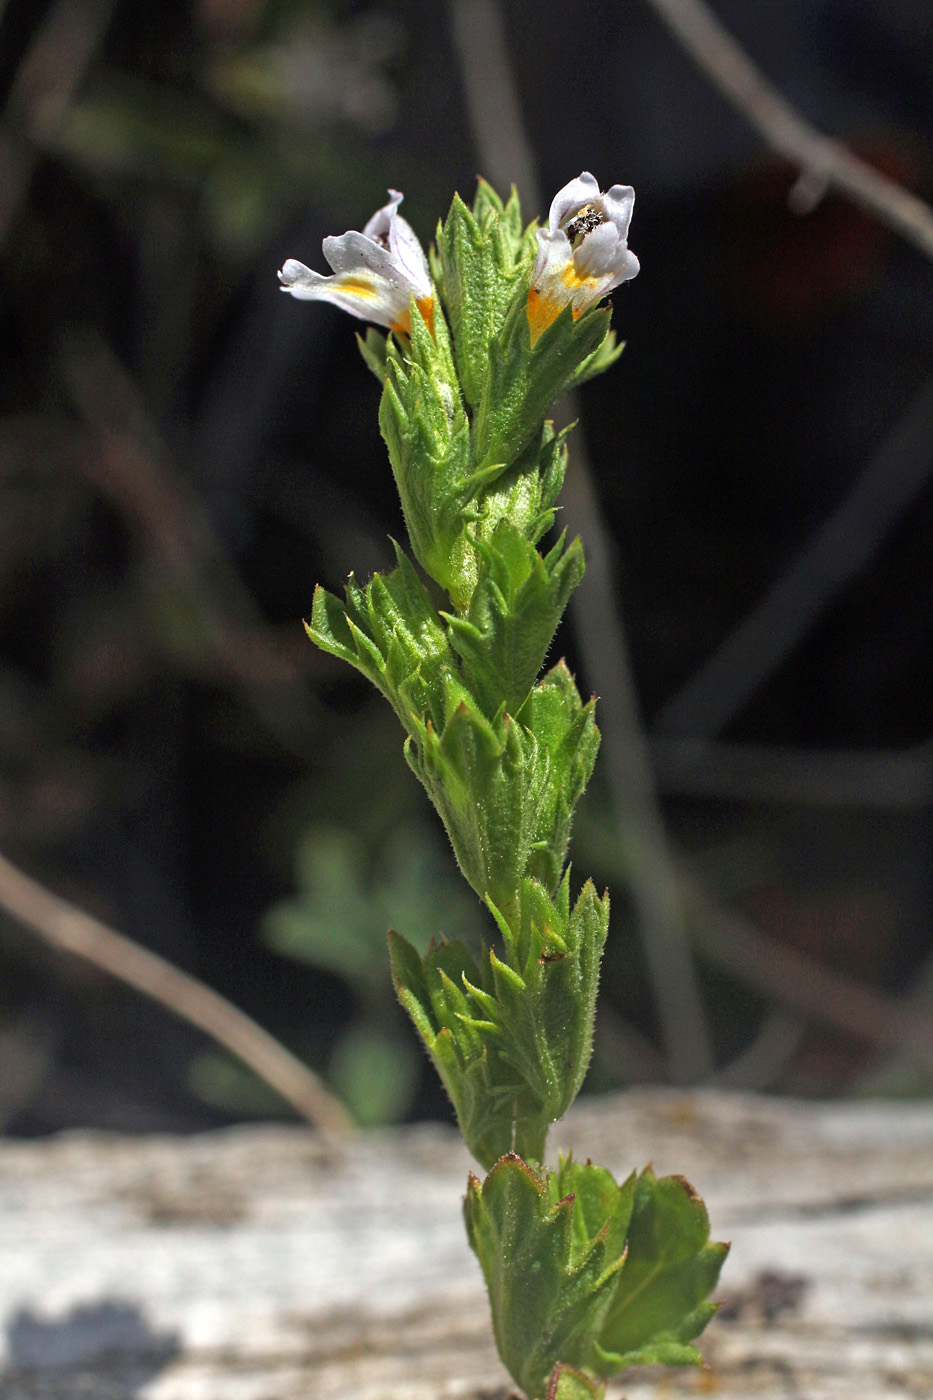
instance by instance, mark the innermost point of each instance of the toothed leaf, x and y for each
(547, 1299)
(514, 611)
(671, 1268)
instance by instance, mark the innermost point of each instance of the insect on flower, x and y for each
(376, 272)
(583, 253)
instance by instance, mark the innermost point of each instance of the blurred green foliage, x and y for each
(272, 106)
(347, 898)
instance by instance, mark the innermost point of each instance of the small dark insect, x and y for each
(382, 239)
(584, 223)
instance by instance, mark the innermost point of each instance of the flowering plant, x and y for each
(586, 1276)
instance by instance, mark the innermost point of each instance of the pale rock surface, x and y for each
(254, 1264)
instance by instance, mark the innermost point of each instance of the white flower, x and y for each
(583, 253)
(376, 272)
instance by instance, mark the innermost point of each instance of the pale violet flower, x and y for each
(376, 272)
(583, 253)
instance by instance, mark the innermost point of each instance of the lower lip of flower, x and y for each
(358, 287)
(574, 280)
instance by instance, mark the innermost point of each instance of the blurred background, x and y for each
(184, 453)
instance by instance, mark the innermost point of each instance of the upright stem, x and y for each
(530, 1139)
(505, 152)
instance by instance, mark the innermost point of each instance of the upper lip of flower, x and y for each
(583, 253)
(375, 273)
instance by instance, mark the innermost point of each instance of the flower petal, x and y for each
(595, 251)
(617, 204)
(583, 190)
(548, 293)
(376, 272)
(408, 253)
(602, 253)
(380, 223)
(358, 291)
(300, 280)
(581, 272)
(352, 252)
(388, 229)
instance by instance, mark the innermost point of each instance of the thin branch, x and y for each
(824, 163)
(651, 876)
(763, 1063)
(892, 780)
(889, 485)
(70, 930)
(659, 889)
(135, 471)
(834, 554)
(42, 91)
(492, 99)
(806, 987)
(887, 1075)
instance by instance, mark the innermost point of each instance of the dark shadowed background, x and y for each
(184, 453)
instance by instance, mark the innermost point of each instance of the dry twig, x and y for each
(135, 472)
(824, 164)
(796, 981)
(833, 556)
(836, 552)
(70, 930)
(41, 92)
(889, 779)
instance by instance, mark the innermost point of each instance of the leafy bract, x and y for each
(511, 1034)
(587, 1276)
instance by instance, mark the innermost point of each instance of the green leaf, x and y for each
(374, 1073)
(525, 493)
(391, 631)
(224, 1082)
(670, 1269)
(506, 788)
(374, 349)
(484, 262)
(423, 422)
(566, 734)
(332, 926)
(525, 379)
(602, 1203)
(487, 201)
(544, 994)
(345, 900)
(516, 605)
(480, 775)
(567, 1383)
(548, 1242)
(505, 796)
(482, 1088)
(602, 358)
(511, 1038)
(547, 1298)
